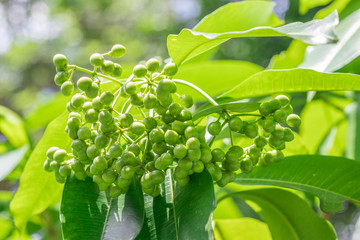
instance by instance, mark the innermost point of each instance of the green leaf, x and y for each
(353, 133)
(241, 229)
(335, 56)
(327, 177)
(306, 5)
(338, 5)
(190, 43)
(287, 215)
(209, 75)
(318, 116)
(291, 58)
(181, 212)
(38, 189)
(9, 160)
(235, 107)
(88, 213)
(12, 126)
(293, 80)
(47, 112)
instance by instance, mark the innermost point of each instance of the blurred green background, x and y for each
(32, 31)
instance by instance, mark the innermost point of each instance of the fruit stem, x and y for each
(211, 100)
(75, 67)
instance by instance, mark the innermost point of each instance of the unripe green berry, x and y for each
(293, 120)
(260, 141)
(106, 98)
(280, 116)
(288, 109)
(65, 170)
(171, 137)
(150, 123)
(105, 117)
(217, 174)
(186, 100)
(126, 120)
(159, 148)
(284, 100)
(278, 132)
(235, 124)
(175, 109)
(206, 155)
(218, 155)
(157, 176)
(115, 151)
(182, 182)
(288, 135)
(109, 176)
(269, 125)
(50, 152)
(100, 163)
(139, 70)
(84, 133)
(117, 70)
(84, 83)
(180, 151)
(214, 128)
(265, 109)
(117, 51)
(137, 128)
(150, 101)
(128, 158)
(97, 60)
(137, 99)
(170, 69)
(60, 61)
(246, 165)
(108, 67)
(134, 148)
(101, 141)
(194, 154)
(251, 130)
(67, 88)
(60, 78)
(91, 116)
(274, 105)
(73, 123)
(198, 167)
(152, 64)
(193, 143)
(167, 86)
(60, 155)
(92, 152)
(92, 91)
(115, 191)
(77, 100)
(130, 88)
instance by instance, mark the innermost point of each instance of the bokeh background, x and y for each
(32, 31)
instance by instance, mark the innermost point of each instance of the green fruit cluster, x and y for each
(154, 132)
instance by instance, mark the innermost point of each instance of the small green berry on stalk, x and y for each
(60, 62)
(153, 64)
(84, 83)
(139, 70)
(117, 51)
(293, 120)
(108, 67)
(214, 128)
(170, 69)
(97, 60)
(117, 70)
(60, 78)
(67, 88)
(284, 100)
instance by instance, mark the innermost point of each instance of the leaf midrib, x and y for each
(280, 213)
(106, 218)
(296, 183)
